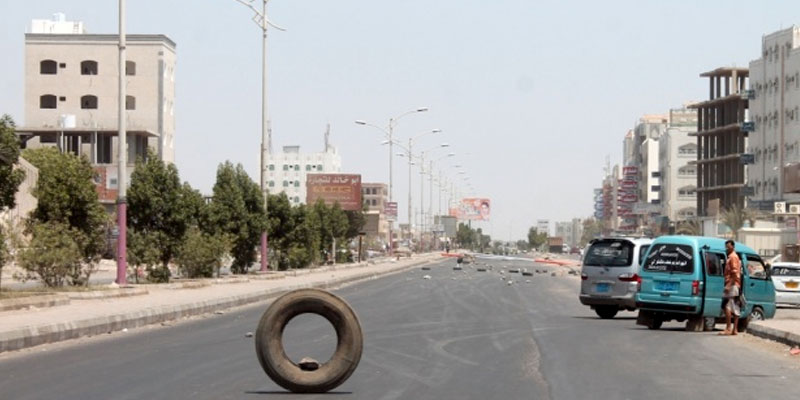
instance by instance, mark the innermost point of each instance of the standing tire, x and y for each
(606, 312)
(655, 324)
(282, 370)
(709, 323)
(695, 324)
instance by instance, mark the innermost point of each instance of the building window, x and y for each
(296, 183)
(285, 184)
(88, 67)
(130, 68)
(89, 102)
(271, 183)
(272, 167)
(48, 67)
(130, 103)
(319, 167)
(296, 199)
(103, 149)
(308, 167)
(285, 167)
(296, 167)
(62, 98)
(47, 101)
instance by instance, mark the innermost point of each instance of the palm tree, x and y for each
(690, 227)
(735, 217)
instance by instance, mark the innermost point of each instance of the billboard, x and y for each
(332, 188)
(477, 209)
(391, 210)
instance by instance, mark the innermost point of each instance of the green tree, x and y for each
(10, 178)
(53, 255)
(201, 254)
(160, 211)
(281, 224)
(536, 239)
(465, 236)
(66, 195)
(237, 210)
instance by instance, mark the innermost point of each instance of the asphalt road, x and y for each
(458, 335)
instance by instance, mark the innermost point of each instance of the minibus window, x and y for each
(755, 268)
(610, 253)
(670, 258)
(714, 264)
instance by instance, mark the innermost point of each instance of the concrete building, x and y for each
(678, 179)
(58, 24)
(287, 170)
(721, 141)
(628, 149)
(570, 231)
(775, 110)
(375, 197)
(71, 96)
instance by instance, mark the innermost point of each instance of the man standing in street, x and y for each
(733, 284)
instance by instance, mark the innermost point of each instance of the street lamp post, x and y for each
(262, 20)
(122, 209)
(389, 131)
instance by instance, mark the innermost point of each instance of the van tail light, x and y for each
(584, 276)
(632, 278)
(695, 288)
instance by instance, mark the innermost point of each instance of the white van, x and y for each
(610, 274)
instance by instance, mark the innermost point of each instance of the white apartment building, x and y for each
(71, 96)
(287, 170)
(58, 24)
(678, 192)
(775, 110)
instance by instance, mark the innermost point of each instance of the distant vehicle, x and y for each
(610, 274)
(786, 278)
(682, 279)
(555, 244)
(575, 250)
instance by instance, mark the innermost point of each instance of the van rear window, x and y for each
(670, 258)
(785, 271)
(610, 253)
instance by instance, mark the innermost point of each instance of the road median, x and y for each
(20, 330)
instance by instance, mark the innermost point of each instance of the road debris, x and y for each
(248, 334)
(426, 277)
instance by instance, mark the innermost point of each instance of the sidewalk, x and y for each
(784, 328)
(86, 317)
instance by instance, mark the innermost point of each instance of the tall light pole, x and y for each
(122, 158)
(262, 20)
(423, 222)
(389, 131)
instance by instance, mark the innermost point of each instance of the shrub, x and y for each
(201, 254)
(54, 256)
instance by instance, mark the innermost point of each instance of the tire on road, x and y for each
(695, 324)
(282, 370)
(606, 312)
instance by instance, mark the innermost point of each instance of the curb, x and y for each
(107, 294)
(37, 335)
(781, 336)
(38, 301)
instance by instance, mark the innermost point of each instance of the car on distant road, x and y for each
(610, 274)
(786, 278)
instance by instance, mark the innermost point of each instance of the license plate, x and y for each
(791, 285)
(602, 288)
(667, 286)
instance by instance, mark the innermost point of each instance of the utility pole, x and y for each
(263, 22)
(122, 139)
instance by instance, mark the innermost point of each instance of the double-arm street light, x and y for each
(262, 20)
(409, 154)
(389, 132)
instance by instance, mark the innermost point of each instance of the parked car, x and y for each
(786, 278)
(610, 274)
(682, 279)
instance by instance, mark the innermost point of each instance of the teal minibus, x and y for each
(682, 279)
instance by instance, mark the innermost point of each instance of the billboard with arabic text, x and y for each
(476, 209)
(331, 188)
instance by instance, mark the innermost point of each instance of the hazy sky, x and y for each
(531, 95)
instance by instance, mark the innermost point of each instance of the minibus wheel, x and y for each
(606, 312)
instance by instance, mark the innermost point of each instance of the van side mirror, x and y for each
(768, 270)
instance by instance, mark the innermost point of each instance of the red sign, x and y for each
(629, 198)
(332, 188)
(630, 184)
(391, 210)
(628, 171)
